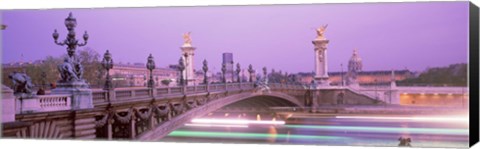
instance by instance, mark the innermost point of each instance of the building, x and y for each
(137, 75)
(354, 67)
(356, 76)
(228, 61)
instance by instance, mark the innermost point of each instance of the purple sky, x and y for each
(388, 35)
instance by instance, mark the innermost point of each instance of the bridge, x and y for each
(152, 113)
(75, 111)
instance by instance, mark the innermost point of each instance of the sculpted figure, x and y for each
(321, 31)
(262, 84)
(187, 39)
(70, 69)
(21, 83)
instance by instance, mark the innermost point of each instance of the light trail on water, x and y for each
(184, 133)
(439, 131)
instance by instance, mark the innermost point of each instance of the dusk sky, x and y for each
(387, 35)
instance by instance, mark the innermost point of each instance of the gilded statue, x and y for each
(321, 31)
(187, 39)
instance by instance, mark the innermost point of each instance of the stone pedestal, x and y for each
(82, 97)
(8, 105)
(27, 105)
(188, 74)
(321, 65)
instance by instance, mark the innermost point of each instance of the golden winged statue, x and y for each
(187, 39)
(321, 31)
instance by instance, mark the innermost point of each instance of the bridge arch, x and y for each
(176, 122)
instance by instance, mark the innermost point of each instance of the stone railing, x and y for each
(55, 102)
(43, 103)
(143, 93)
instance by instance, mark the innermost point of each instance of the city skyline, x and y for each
(255, 34)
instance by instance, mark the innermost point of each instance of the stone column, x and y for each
(321, 65)
(188, 51)
(8, 105)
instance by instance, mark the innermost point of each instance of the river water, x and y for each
(325, 129)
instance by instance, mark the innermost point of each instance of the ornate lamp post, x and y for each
(205, 70)
(250, 71)
(181, 67)
(341, 66)
(185, 55)
(72, 43)
(224, 69)
(150, 67)
(238, 73)
(107, 64)
(265, 72)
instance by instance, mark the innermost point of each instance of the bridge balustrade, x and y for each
(99, 96)
(123, 94)
(54, 102)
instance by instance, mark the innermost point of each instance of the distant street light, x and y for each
(341, 66)
(150, 67)
(181, 67)
(205, 70)
(250, 71)
(224, 69)
(107, 63)
(238, 72)
(186, 71)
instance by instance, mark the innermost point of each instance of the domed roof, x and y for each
(355, 57)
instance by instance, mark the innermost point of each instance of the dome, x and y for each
(355, 57)
(355, 62)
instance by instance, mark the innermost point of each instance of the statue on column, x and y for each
(187, 39)
(321, 31)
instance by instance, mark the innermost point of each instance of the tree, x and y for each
(452, 75)
(93, 73)
(93, 70)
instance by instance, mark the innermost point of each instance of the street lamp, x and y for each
(181, 67)
(250, 71)
(238, 72)
(341, 66)
(107, 63)
(205, 70)
(224, 69)
(72, 43)
(150, 67)
(265, 72)
(186, 64)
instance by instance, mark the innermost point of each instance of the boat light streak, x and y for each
(428, 119)
(236, 121)
(216, 125)
(181, 133)
(448, 131)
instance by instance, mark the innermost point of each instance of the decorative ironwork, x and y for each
(71, 69)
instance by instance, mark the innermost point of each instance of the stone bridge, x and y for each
(150, 114)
